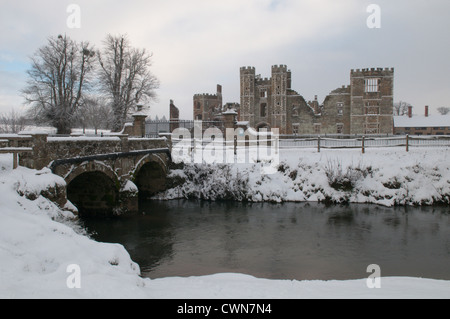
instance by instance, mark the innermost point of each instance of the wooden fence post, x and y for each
(363, 144)
(318, 144)
(407, 142)
(15, 160)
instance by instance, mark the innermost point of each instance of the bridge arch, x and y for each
(93, 188)
(149, 175)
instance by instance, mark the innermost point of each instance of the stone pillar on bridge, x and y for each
(38, 158)
(139, 122)
(229, 117)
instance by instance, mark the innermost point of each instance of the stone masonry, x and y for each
(103, 174)
(363, 107)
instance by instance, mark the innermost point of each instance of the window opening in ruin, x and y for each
(294, 110)
(340, 108)
(371, 85)
(263, 109)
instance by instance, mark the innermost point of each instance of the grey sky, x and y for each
(197, 44)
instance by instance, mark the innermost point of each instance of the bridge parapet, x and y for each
(47, 149)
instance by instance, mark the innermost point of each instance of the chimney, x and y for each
(409, 111)
(426, 111)
(219, 89)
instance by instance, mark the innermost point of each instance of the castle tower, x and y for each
(247, 113)
(372, 101)
(280, 83)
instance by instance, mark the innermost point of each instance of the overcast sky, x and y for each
(198, 44)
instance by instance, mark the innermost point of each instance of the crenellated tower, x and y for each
(208, 107)
(372, 99)
(280, 83)
(247, 77)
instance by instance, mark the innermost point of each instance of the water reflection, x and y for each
(282, 241)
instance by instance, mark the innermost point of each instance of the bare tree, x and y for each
(125, 78)
(93, 113)
(443, 110)
(401, 108)
(58, 76)
(12, 122)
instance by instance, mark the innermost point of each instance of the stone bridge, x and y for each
(104, 175)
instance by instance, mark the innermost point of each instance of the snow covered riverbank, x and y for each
(38, 241)
(380, 176)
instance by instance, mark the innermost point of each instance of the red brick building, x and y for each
(425, 124)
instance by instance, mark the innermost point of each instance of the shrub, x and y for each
(344, 179)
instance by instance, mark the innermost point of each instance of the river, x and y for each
(302, 241)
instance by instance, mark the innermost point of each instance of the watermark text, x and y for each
(374, 19)
(374, 280)
(74, 19)
(74, 279)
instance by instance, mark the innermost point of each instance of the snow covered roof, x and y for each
(230, 111)
(139, 113)
(422, 121)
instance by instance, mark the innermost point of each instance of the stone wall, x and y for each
(336, 112)
(372, 110)
(208, 107)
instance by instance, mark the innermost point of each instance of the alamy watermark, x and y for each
(374, 19)
(374, 280)
(74, 279)
(74, 19)
(239, 145)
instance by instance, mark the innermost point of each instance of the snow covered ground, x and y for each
(384, 176)
(39, 242)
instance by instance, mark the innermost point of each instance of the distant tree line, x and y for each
(73, 84)
(401, 108)
(12, 122)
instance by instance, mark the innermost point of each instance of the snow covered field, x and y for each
(39, 241)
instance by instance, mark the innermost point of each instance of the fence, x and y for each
(319, 143)
(155, 127)
(16, 145)
(366, 142)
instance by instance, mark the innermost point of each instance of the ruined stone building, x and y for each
(209, 107)
(174, 116)
(363, 107)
